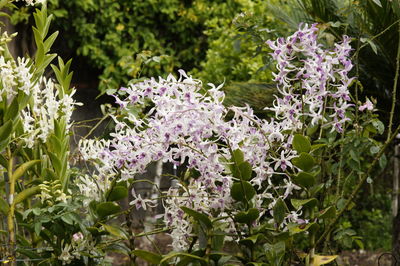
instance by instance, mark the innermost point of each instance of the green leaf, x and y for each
(318, 260)
(279, 211)
(181, 254)
(118, 193)
(49, 41)
(379, 126)
(237, 156)
(297, 203)
(304, 179)
(4, 206)
(198, 216)
(247, 217)
(251, 240)
(12, 110)
(243, 171)
(5, 130)
(25, 194)
(377, 2)
(327, 213)
(3, 161)
(242, 191)
(317, 146)
(301, 143)
(299, 228)
(305, 161)
(115, 231)
(217, 241)
(22, 169)
(107, 208)
(148, 256)
(383, 161)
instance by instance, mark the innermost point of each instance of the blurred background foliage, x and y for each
(117, 42)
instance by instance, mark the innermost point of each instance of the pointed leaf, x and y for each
(22, 169)
(247, 217)
(180, 254)
(305, 161)
(25, 194)
(4, 206)
(151, 257)
(242, 191)
(5, 130)
(118, 193)
(107, 208)
(115, 231)
(304, 179)
(279, 211)
(237, 156)
(301, 143)
(297, 203)
(318, 260)
(198, 216)
(329, 212)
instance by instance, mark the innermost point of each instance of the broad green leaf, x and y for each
(198, 216)
(305, 161)
(5, 130)
(107, 208)
(25, 194)
(22, 169)
(329, 212)
(318, 260)
(299, 228)
(4, 206)
(317, 146)
(304, 179)
(118, 193)
(301, 143)
(242, 191)
(12, 110)
(217, 241)
(279, 211)
(237, 156)
(251, 240)
(243, 171)
(148, 256)
(3, 161)
(247, 217)
(115, 231)
(180, 254)
(297, 203)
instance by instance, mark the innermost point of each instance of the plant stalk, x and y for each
(358, 187)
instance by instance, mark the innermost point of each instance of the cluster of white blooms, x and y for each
(45, 105)
(187, 125)
(312, 81)
(14, 76)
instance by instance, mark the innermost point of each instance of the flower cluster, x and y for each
(187, 125)
(45, 104)
(312, 81)
(51, 193)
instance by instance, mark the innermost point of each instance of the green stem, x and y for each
(10, 216)
(357, 189)
(394, 88)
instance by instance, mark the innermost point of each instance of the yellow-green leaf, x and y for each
(22, 169)
(321, 259)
